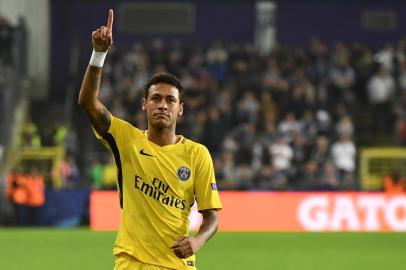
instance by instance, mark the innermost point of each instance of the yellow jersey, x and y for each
(157, 187)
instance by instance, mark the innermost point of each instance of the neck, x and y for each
(162, 137)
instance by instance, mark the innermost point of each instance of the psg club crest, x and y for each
(184, 173)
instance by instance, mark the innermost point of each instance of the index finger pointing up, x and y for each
(110, 21)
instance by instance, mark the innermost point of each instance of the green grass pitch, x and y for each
(43, 249)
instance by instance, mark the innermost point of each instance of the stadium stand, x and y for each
(283, 121)
(290, 120)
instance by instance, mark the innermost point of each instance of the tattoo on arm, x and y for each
(100, 120)
(94, 78)
(97, 113)
(105, 117)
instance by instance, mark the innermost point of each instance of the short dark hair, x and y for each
(164, 78)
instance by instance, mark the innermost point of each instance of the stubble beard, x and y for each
(161, 125)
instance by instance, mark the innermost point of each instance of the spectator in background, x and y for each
(268, 107)
(195, 97)
(308, 126)
(320, 150)
(300, 149)
(139, 79)
(265, 178)
(245, 136)
(66, 137)
(60, 135)
(228, 172)
(297, 103)
(386, 56)
(310, 92)
(343, 153)
(29, 135)
(217, 58)
(281, 154)
(198, 129)
(329, 178)
(96, 174)
(307, 177)
(248, 108)
(339, 54)
(16, 191)
(272, 78)
(36, 195)
(214, 130)
(157, 52)
(269, 135)
(230, 144)
(258, 153)
(381, 89)
(175, 57)
(117, 108)
(319, 65)
(218, 169)
(71, 142)
(394, 183)
(342, 76)
(70, 172)
(345, 126)
(10, 184)
(244, 176)
(289, 126)
(137, 55)
(106, 90)
(362, 60)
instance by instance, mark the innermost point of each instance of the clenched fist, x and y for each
(186, 246)
(102, 38)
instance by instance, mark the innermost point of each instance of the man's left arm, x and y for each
(186, 246)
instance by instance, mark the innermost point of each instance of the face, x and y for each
(163, 106)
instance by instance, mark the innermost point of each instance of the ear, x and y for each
(180, 109)
(144, 104)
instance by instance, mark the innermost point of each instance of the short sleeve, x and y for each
(120, 133)
(206, 192)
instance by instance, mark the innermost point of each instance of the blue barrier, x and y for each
(62, 208)
(65, 208)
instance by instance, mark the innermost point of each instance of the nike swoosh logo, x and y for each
(145, 154)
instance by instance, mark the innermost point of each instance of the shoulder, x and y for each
(120, 133)
(120, 122)
(194, 147)
(198, 151)
(123, 126)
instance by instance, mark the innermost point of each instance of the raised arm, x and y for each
(97, 113)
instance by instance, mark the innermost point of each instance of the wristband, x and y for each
(97, 59)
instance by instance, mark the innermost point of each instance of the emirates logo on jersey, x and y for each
(184, 173)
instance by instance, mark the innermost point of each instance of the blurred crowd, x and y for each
(282, 121)
(288, 120)
(25, 192)
(67, 174)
